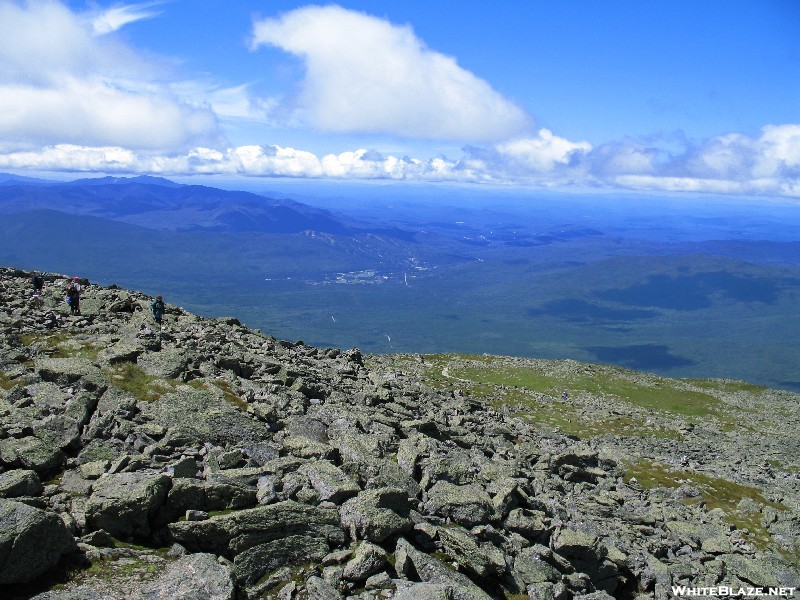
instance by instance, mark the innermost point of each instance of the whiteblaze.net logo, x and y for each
(725, 591)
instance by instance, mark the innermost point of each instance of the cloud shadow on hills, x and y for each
(574, 310)
(694, 292)
(640, 356)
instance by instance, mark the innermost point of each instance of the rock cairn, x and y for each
(203, 459)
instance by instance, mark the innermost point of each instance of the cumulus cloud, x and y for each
(734, 163)
(62, 81)
(766, 164)
(364, 74)
(543, 157)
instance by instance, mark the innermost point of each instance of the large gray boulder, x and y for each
(375, 515)
(367, 560)
(483, 560)
(70, 371)
(424, 591)
(255, 562)
(466, 505)
(192, 577)
(410, 561)
(124, 504)
(190, 494)
(20, 482)
(32, 541)
(330, 482)
(235, 532)
(30, 453)
(531, 568)
(203, 416)
(588, 555)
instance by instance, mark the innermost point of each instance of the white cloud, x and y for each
(365, 74)
(778, 151)
(61, 82)
(770, 163)
(117, 17)
(98, 112)
(540, 154)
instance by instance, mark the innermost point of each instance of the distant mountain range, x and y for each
(157, 203)
(681, 286)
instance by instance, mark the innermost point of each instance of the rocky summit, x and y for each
(202, 459)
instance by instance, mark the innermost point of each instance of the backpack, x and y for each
(38, 281)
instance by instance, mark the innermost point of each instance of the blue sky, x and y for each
(659, 95)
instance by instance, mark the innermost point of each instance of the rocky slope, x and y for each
(203, 459)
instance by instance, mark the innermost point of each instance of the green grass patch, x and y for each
(651, 392)
(230, 396)
(5, 382)
(727, 386)
(62, 345)
(535, 396)
(135, 380)
(716, 492)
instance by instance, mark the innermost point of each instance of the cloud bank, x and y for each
(767, 164)
(364, 74)
(74, 97)
(65, 77)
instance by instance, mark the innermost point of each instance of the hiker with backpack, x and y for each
(38, 285)
(158, 307)
(74, 296)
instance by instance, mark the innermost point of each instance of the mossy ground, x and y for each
(61, 345)
(135, 380)
(5, 382)
(715, 492)
(230, 396)
(650, 392)
(535, 394)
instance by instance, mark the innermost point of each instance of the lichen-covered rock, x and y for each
(191, 494)
(375, 515)
(235, 532)
(467, 505)
(409, 560)
(483, 560)
(251, 564)
(124, 504)
(193, 577)
(32, 541)
(529, 567)
(424, 591)
(71, 371)
(30, 453)
(367, 560)
(588, 555)
(20, 482)
(528, 523)
(319, 589)
(330, 482)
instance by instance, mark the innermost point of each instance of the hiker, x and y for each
(74, 295)
(158, 308)
(38, 284)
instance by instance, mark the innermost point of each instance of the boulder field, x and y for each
(202, 459)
